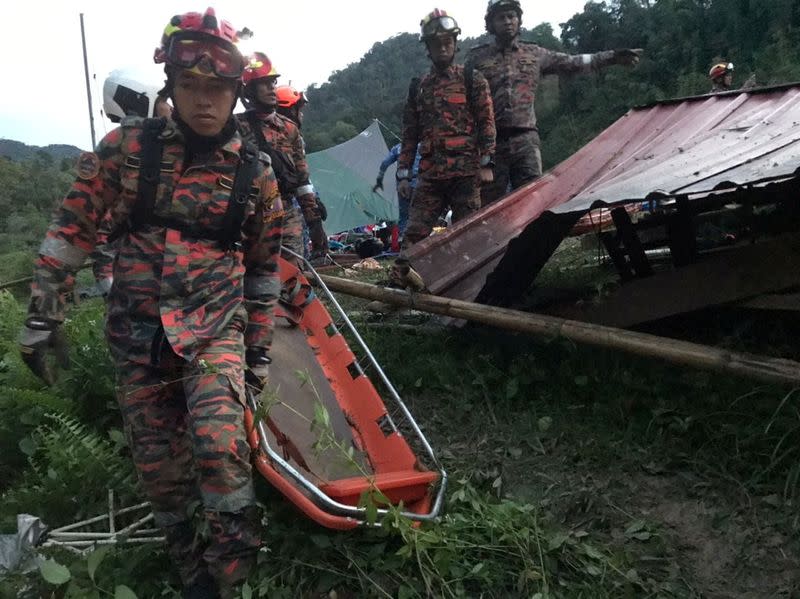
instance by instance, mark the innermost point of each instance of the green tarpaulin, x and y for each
(344, 175)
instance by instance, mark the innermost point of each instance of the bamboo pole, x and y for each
(15, 282)
(684, 353)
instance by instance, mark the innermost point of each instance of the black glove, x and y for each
(378, 184)
(39, 337)
(257, 372)
(319, 241)
(628, 57)
(285, 172)
(323, 210)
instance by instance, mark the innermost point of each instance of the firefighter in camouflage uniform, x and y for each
(189, 313)
(260, 123)
(513, 68)
(448, 114)
(125, 93)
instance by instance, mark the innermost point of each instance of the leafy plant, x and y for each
(70, 470)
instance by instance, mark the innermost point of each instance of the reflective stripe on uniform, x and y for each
(261, 286)
(63, 251)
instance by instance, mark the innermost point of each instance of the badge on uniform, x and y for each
(88, 166)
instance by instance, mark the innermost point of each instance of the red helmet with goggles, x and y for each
(258, 66)
(436, 23)
(202, 43)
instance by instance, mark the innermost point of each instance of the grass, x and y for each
(576, 473)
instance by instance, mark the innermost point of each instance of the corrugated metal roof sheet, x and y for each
(685, 146)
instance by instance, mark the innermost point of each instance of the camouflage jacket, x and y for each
(285, 136)
(190, 286)
(455, 130)
(513, 74)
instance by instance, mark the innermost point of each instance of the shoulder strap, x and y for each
(149, 171)
(284, 168)
(149, 176)
(413, 90)
(469, 79)
(246, 173)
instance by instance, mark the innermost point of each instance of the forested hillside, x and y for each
(16, 150)
(681, 39)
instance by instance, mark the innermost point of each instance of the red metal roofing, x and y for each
(680, 146)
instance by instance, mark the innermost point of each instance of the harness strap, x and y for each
(149, 172)
(150, 167)
(237, 203)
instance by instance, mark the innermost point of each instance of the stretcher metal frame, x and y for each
(313, 501)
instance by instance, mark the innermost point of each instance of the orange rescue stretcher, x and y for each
(327, 439)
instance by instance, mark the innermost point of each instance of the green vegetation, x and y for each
(574, 472)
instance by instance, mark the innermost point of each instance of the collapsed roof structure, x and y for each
(684, 159)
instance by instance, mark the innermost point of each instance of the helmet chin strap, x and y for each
(197, 144)
(261, 107)
(251, 101)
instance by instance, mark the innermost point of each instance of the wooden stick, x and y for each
(763, 368)
(15, 282)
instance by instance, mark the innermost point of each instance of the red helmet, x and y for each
(720, 70)
(258, 66)
(289, 96)
(438, 22)
(202, 43)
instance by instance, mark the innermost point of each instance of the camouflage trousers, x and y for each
(432, 198)
(294, 229)
(185, 427)
(518, 160)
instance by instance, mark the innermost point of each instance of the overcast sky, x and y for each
(44, 91)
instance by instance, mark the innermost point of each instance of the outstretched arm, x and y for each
(561, 63)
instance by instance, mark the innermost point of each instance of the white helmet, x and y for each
(130, 93)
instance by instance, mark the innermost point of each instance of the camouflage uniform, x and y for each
(513, 74)
(180, 313)
(285, 136)
(455, 133)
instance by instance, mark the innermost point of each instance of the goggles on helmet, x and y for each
(187, 48)
(440, 25)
